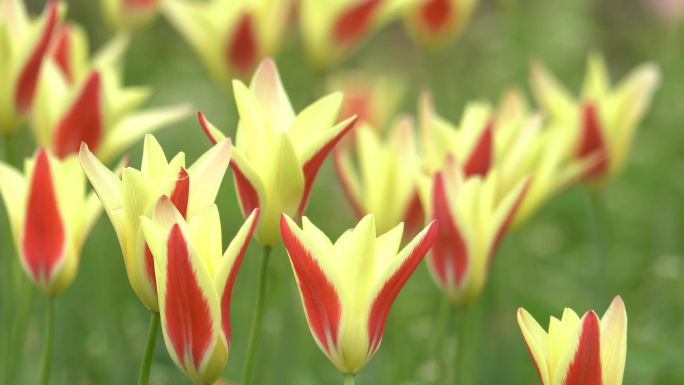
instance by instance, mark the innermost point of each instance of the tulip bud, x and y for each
(347, 288)
(438, 22)
(50, 217)
(135, 194)
(129, 14)
(277, 154)
(579, 351)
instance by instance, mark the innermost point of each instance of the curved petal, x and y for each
(536, 340)
(585, 368)
(207, 174)
(614, 342)
(213, 133)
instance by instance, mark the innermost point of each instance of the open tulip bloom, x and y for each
(195, 281)
(601, 121)
(348, 287)
(438, 22)
(136, 193)
(277, 154)
(578, 351)
(230, 36)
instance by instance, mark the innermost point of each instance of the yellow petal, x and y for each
(614, 342)
(536, 341)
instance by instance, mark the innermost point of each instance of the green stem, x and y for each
(597, 253)
(466, 332)
(144, 376)
(256, 320)
(441, 330)
(349, 379)
(49, 335)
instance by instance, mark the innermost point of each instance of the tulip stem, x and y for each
(466, 330)
(257, 318)
(349, 379)
(144, 377)
(598, 252)
(49, 335)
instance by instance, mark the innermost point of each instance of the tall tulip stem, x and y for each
(349, 379)
(597, 254)
(258, 317)
(441, 332)
(144, 376)
(49, 336)
(467, 332)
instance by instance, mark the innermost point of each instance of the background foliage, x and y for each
(631, 234)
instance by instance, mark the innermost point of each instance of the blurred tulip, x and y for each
(128, 15)
(50, 217)
(277, 154)
(602, 121)
(330, 29)
(347, 288)
(438, 22)
(381, 179)
(24, 44)
(85, 102)
(472, 220)
(195, 285)
(575, 351)
(230, 36)
(125, 199)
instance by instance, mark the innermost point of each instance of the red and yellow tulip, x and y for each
(579, 351)
(50, 217)
(348, 287)
(473, 217)
(195, 281)
(230, 36)
(381, 178)
(129, 14)
(277, 153)
(438, 22)
(135, 194)
(602, 121)
(24, 44)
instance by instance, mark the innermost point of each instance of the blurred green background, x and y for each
(544, 266)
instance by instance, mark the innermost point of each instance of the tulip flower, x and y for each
(277, 154)
(195, 285)
(50, 217)
(472, 220)
(330, 29)
(348, 287)
(438, 22)
(91, 106)
(602, 121)
(129, 14)
(24, 46)
(125, 199)
(578, 351)
(384, 183)
(230, 36)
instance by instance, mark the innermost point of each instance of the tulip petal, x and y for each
(614, 342)
(242, 52)
(247, 183)
(506, 212)
(585, 368)
(268, 90)
(213, 133)
(181, 192)
(28, 77)
(43, 245)
(13, 190)
(207, 174)
(549, 94)
(436, 14)
(348, 180)
(83, 122)
(394, 279)
(536, 341)
(321, 300)
(591, 140)
(316, 119)
(353, 23)
(480, 158)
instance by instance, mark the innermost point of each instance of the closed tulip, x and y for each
(128, 15)
(50, 216)
(438, 22)
(348, 287)
(277, 153)
(135, 194)
(578, 351)
(195, 280)
(601, 121)
(230, 36)
(473, 217)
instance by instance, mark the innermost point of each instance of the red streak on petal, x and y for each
(181, 192)
(436, 14)
(585, 368)
(322, 304)
(480, 159)
(312, 165)
(149, 268)
(205, 127)
(388, 293)
(346, 185)
(536, 365)
(83, 121)
(188, 321)
(449, 256)
(357, 102)
(591, 141)
(62, 52)
(247, 194)
(228, 289)
(28, 77)
(139, 4)
(507, 222)
(353, 23)
(414, 217)
(44, 235)
(242, 51)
